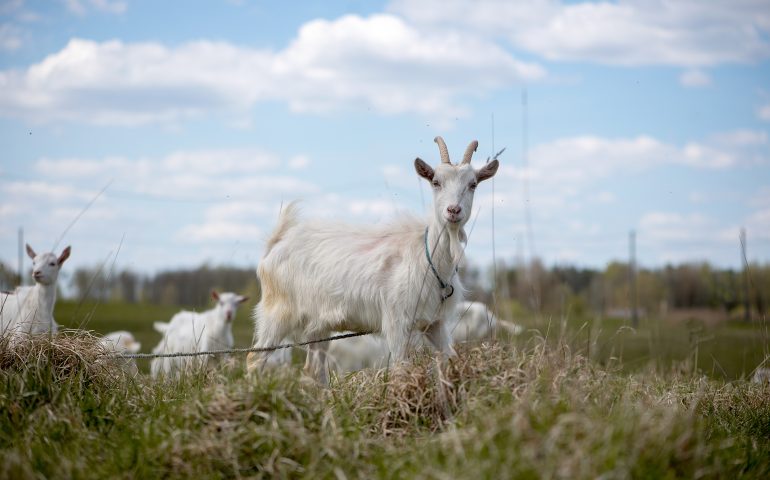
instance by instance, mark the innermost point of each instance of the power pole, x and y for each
(746, 300)
(632, 278)
(534, 277)
(21, 256)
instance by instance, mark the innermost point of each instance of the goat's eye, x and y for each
(473, 186)
(52, 264)
(436, 184)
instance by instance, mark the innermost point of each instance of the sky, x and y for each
(156, 135)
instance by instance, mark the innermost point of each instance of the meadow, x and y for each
(720, 348)
(571, 398)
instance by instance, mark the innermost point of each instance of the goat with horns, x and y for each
(398, 279)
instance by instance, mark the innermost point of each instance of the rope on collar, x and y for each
(444, 286)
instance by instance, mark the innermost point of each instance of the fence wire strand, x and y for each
(239, 350)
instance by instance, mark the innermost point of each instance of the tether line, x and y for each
(237, 350)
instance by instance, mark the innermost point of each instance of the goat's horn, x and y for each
(442, 149)
(469, 152)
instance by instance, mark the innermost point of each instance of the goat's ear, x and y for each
(487, 171)
(242, 299)
(65, 255)
(423, 169)
(215, 295)
(31, 252)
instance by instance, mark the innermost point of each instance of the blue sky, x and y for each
(201, 118)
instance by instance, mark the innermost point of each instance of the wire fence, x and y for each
(240, 350)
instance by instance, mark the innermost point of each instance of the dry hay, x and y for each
(66, 355)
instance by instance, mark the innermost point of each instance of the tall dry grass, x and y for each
(534, 410)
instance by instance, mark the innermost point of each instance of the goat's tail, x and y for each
(288, 217)
(134, 346)
(509, 327)
(161, 327)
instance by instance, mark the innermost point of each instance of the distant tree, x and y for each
(471, 280)
(9, 278)
(91, 283)
(193, 287)
(126, 286)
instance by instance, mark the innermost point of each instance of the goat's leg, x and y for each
(269, 331)
(315, 362)
(397, 336)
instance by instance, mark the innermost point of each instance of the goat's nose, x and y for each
(454, 209)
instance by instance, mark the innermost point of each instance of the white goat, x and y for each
(318, 277)
(29, 310)
(196, 332)
(474, 322)
(122, 342)
(761, 376)
(477, 322)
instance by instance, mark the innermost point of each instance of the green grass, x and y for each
(137, 318)
(533, 410)
(727, 350)
(569, 399)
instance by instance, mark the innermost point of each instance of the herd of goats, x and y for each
(398, 280)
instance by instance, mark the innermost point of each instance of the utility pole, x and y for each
(21, 256)
(534, 276)
(632, 278)
(746, 300)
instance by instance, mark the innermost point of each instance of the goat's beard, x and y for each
(457, 241)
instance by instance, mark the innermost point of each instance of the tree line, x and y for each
(533, 287)
(615, 290)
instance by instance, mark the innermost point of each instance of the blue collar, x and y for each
(444, 285)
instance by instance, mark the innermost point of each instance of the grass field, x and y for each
(570, 399)
(728, 350)
(137, 318)
(724, 349)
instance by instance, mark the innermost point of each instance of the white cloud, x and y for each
(758, 225)
(400, 176)
(386, 63)
(299, 162)
(742, 138)
(200, 200)
(376, 208)
(219, 231)
(676, 227)
(43, 189)
(203, 197)
(201, 174)
(378, 62)
(220, 161)
(8, 7)
(689, 33)
(763, 112)
(761, 198)
(605, 197)
(695, 78)
(584, 159)
(577, 201)
(81, 7)
(10, 37)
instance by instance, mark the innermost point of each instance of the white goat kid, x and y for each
(122, 341)
(29, 310)
(399, 279)
(196, 332)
